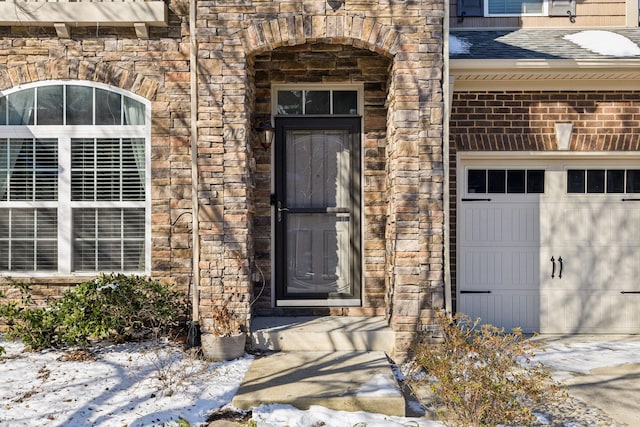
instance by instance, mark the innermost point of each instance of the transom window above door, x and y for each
(318, 101)
(74, 179)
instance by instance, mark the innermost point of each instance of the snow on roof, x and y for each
(458, 46)
(604, 43)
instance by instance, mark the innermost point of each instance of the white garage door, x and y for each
(550, 246)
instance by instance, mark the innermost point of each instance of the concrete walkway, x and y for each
(323, 361)
(613, 389)
(349, 381)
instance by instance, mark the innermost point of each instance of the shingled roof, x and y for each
(532, 44)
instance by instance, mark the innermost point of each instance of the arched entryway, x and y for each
(323, 251)
(396, 71)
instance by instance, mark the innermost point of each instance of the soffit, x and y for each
(539, 59)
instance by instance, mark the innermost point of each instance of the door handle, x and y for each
(561, 266)
(280, 209)
(553, 267)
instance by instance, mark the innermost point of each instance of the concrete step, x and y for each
(330, 333)
(343, 381)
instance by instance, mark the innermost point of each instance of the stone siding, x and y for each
(394, 48)
(233, 37)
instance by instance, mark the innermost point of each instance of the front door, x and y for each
(317, 211)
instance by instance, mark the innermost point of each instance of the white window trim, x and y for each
(64, 135)
(545, 11)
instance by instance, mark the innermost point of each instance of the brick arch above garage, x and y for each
(79, 70)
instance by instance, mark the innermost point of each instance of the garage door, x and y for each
(550, 246)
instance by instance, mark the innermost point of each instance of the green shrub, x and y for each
(113, 306)
(479, 374)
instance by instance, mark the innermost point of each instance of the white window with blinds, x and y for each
(515, 7)
(74, 180)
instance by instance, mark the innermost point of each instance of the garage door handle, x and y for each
(464, 199)
(553, 267)
(475, 292)
(630, 292)
(561, 266)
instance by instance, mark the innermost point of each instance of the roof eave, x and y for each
(545, 74)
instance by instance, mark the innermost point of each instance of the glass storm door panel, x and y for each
(317, 208)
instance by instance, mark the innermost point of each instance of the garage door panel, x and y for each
(619, 268)
(567, 224)
(625, 223)
(592, 267)
(628, 312)
(588, 311)
(483, 268)
(488, 223)
(576, 267)
(499, 268)
(507, 309)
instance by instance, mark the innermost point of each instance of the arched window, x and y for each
(74, 179)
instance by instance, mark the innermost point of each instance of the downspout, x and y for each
(447, 92)
(193, 338)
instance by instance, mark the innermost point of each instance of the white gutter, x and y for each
(193, 80)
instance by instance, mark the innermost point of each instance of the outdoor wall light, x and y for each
(265, 130)
(563, 135)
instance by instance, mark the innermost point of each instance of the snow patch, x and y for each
(280, 415)
(380, 385)
(458, 46)
(583, 357)
(604, 43)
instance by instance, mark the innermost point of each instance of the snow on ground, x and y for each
(142, 384)
(604, 43)
(286, 415)
(134, 384)
(581, 357)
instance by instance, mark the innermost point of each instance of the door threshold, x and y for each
(318, 303)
